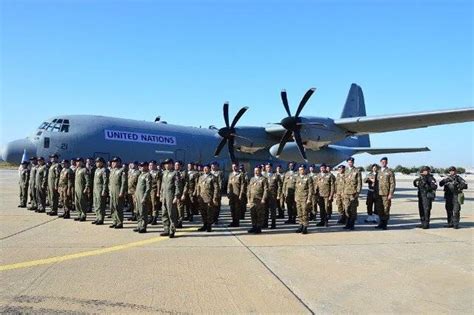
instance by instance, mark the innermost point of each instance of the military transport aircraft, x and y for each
(295, 138)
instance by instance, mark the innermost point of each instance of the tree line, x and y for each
(416, 169)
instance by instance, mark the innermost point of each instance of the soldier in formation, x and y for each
(142, 197)
(23, 183)
(66, 188)
(454, 196)
(427, 186)
(207, 191)
(303, 196)
(118, 192)
(101, 190)
(257, 194)
(352, 188)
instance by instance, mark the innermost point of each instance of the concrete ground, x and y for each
(52, 265)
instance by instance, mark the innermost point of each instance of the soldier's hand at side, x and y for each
(120, 195)
(175, 200)
(183, 198)
(389, 197)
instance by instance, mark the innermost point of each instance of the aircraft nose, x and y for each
(13, 151)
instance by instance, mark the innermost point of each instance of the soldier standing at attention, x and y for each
(207, 191)
(90, 166)
(303, 196)
(220, 180)
(333, 178)
(384, 191)
(142, 196)
(426, 185)
(289, 182)
(191, 202)
(53, 183)
(453, 187)
(154, 210)
(32, 188)
(325, 189)
(243, 200)
(372, 182)
(339, 193)
(41, 184)
(313, 215)
(118, 191)
(182, 183)
(81, 189)
(101, 190)
(281, 201)
(23, 183)
(352, 188)
(169, 195)
(133, 174)
(274, 192)
(257, 194)
(235, 191)
(66, 188)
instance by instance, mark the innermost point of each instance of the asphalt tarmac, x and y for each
(52, 265)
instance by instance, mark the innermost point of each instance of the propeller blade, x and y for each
(286, 137)
(299, 143)
(226, 113)
(238, 116)
(304, 100)
(230, 145)
(220, 146)
(284, 99)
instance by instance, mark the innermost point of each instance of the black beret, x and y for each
(452, 168)
(341, 166)
(41, 158)
(34, 158)
(25, 162)
(322, 165)
(100, 159)
(153, 162)
(53, 155)
(384, 158)
(350, 159)
(115, 159)
(166, 161)
(79, 159)
(269, 163)
(425, 168)
(143, 163)
(302, 166)
(65, 161)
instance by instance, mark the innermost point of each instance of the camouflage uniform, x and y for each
(53, 183)
(101, 190)
(329, 204)
(66, 190)
(352, 188)
(191, 201)
(339, 193)
(257, 194)
(324, 187)
(41, 184)
(303, 196)
(23, 184)
(32, 188)
(207, 191)
(180, 206)
(243, 200)
(274, 192)
(314, 199)
(289, 182)
(143, 201)
(118, 191)
(385, 187)
(81, 190)
(170, 189)
(220, 181)
(235, 191)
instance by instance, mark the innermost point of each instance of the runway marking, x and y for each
(101, 251)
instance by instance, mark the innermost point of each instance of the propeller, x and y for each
(293, 124)
(228, 132)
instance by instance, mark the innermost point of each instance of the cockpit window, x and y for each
(56, 125)
(43, 125)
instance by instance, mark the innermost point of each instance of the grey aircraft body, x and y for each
(295, 138)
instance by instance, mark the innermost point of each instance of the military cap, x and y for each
(115, 159)
(302, 166)
(79, 159)
(53, 155)
(215, 163)
(64, 161)
(25, 162)
(269, 163)
(100, 159)
(341, 166)
(41, 158)
(135, 162)
(372, 166)
(279, 165)
(452, 168)
(167, 161)
(425, 168)
(152, 162)
(350, 159)
(384, 159)
(206, 165)
(143, 163)
(33, 158)
(322, 165)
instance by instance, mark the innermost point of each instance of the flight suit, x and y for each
(180, 205)
(191, 201)
(66, 190)
(281, 199)
(289, 184)
(101, 189)
(90, 193)
(385, 186)
(324, 186)
(142, 197)
(339, 193)
(453, 186)
(235, 189)
(220, 181)
(303, 196)
(274, 192)
(132, 185)
(81, 190)
(207, 192)
(23, 184)
(32, 188)
(155, 209)
(427, 186)
(257, 194)
(170, 189)
(41, 184)
(53, 185)
(352, 188)
(118, 190)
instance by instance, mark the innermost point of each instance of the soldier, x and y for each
(191, 202)
(182, 183)
(23, 183)
(333, 178)
(453, 187)
(235, 187)
(169, 194)
(243, 200)
(154, 195)
(53, 183)
(426, 185)
(101, 190)
(41, 184)
(339, 193)
(384, 191)
(133, 174)
(220, 181)
(257, 194)
(207, 191)
(372, 182)
(66, 188)
(352, 188)
(313, 215)
(81, 189)
(118, 192)
(274, 192)
(280, 201)
(142, 197)
(90, 166)
(32, 187)
(289, 182)
(324, 188)
(303, 196)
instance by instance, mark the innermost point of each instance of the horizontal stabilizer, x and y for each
(375, 151)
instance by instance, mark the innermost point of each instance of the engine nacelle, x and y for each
(328, 155)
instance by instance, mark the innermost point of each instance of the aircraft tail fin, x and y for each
(355, 107)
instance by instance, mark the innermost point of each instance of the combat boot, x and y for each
(165, 234)
(300, 229)
(252, 230)
(202, 228)
(352, 225)
(209, 228)
(136, 230)
(190, 218)
(305, 230)
(456, 226)
(118, 226)
(273, 224)
(379, 226)
(348, 224)
(154, 220)
(179, 225)
(385, 223)
(342, 220)
(321, 223)
(141, 231)
(258, 230)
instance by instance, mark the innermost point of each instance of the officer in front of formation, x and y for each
(101, 190)
(207, 191)
(81, 189)
(384, 193)
(41, 184)
(23, 183)
(427, 186)
(235, 191)
(32, 187)
(453, 195)
(324, 190)
(257, 194)
(169, 194)
(303, 196)
(66, 188)
(142, 197)
(118, 192)
(352, 188)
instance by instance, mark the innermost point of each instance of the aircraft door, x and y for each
(180, 155)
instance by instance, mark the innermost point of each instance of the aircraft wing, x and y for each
(375, 151)
(367, 124)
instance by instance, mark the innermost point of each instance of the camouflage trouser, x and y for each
(382, 207)
(207, 212)
(217, 208)
(235, 206)
(81, 203)
(99, 206)
(116, 208)
(340, 204)
(314, 205)
(291, 205)
(23, 195)
(66, 200)
(271, 206)
(257, 214)
(302, 208)
(53, 196)
(323, 203)
(33, 202)
(350, 205)
(453, 209)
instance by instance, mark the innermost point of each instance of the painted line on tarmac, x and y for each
(96, 252)
(27, 229)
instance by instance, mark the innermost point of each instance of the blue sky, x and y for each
(183, 59)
